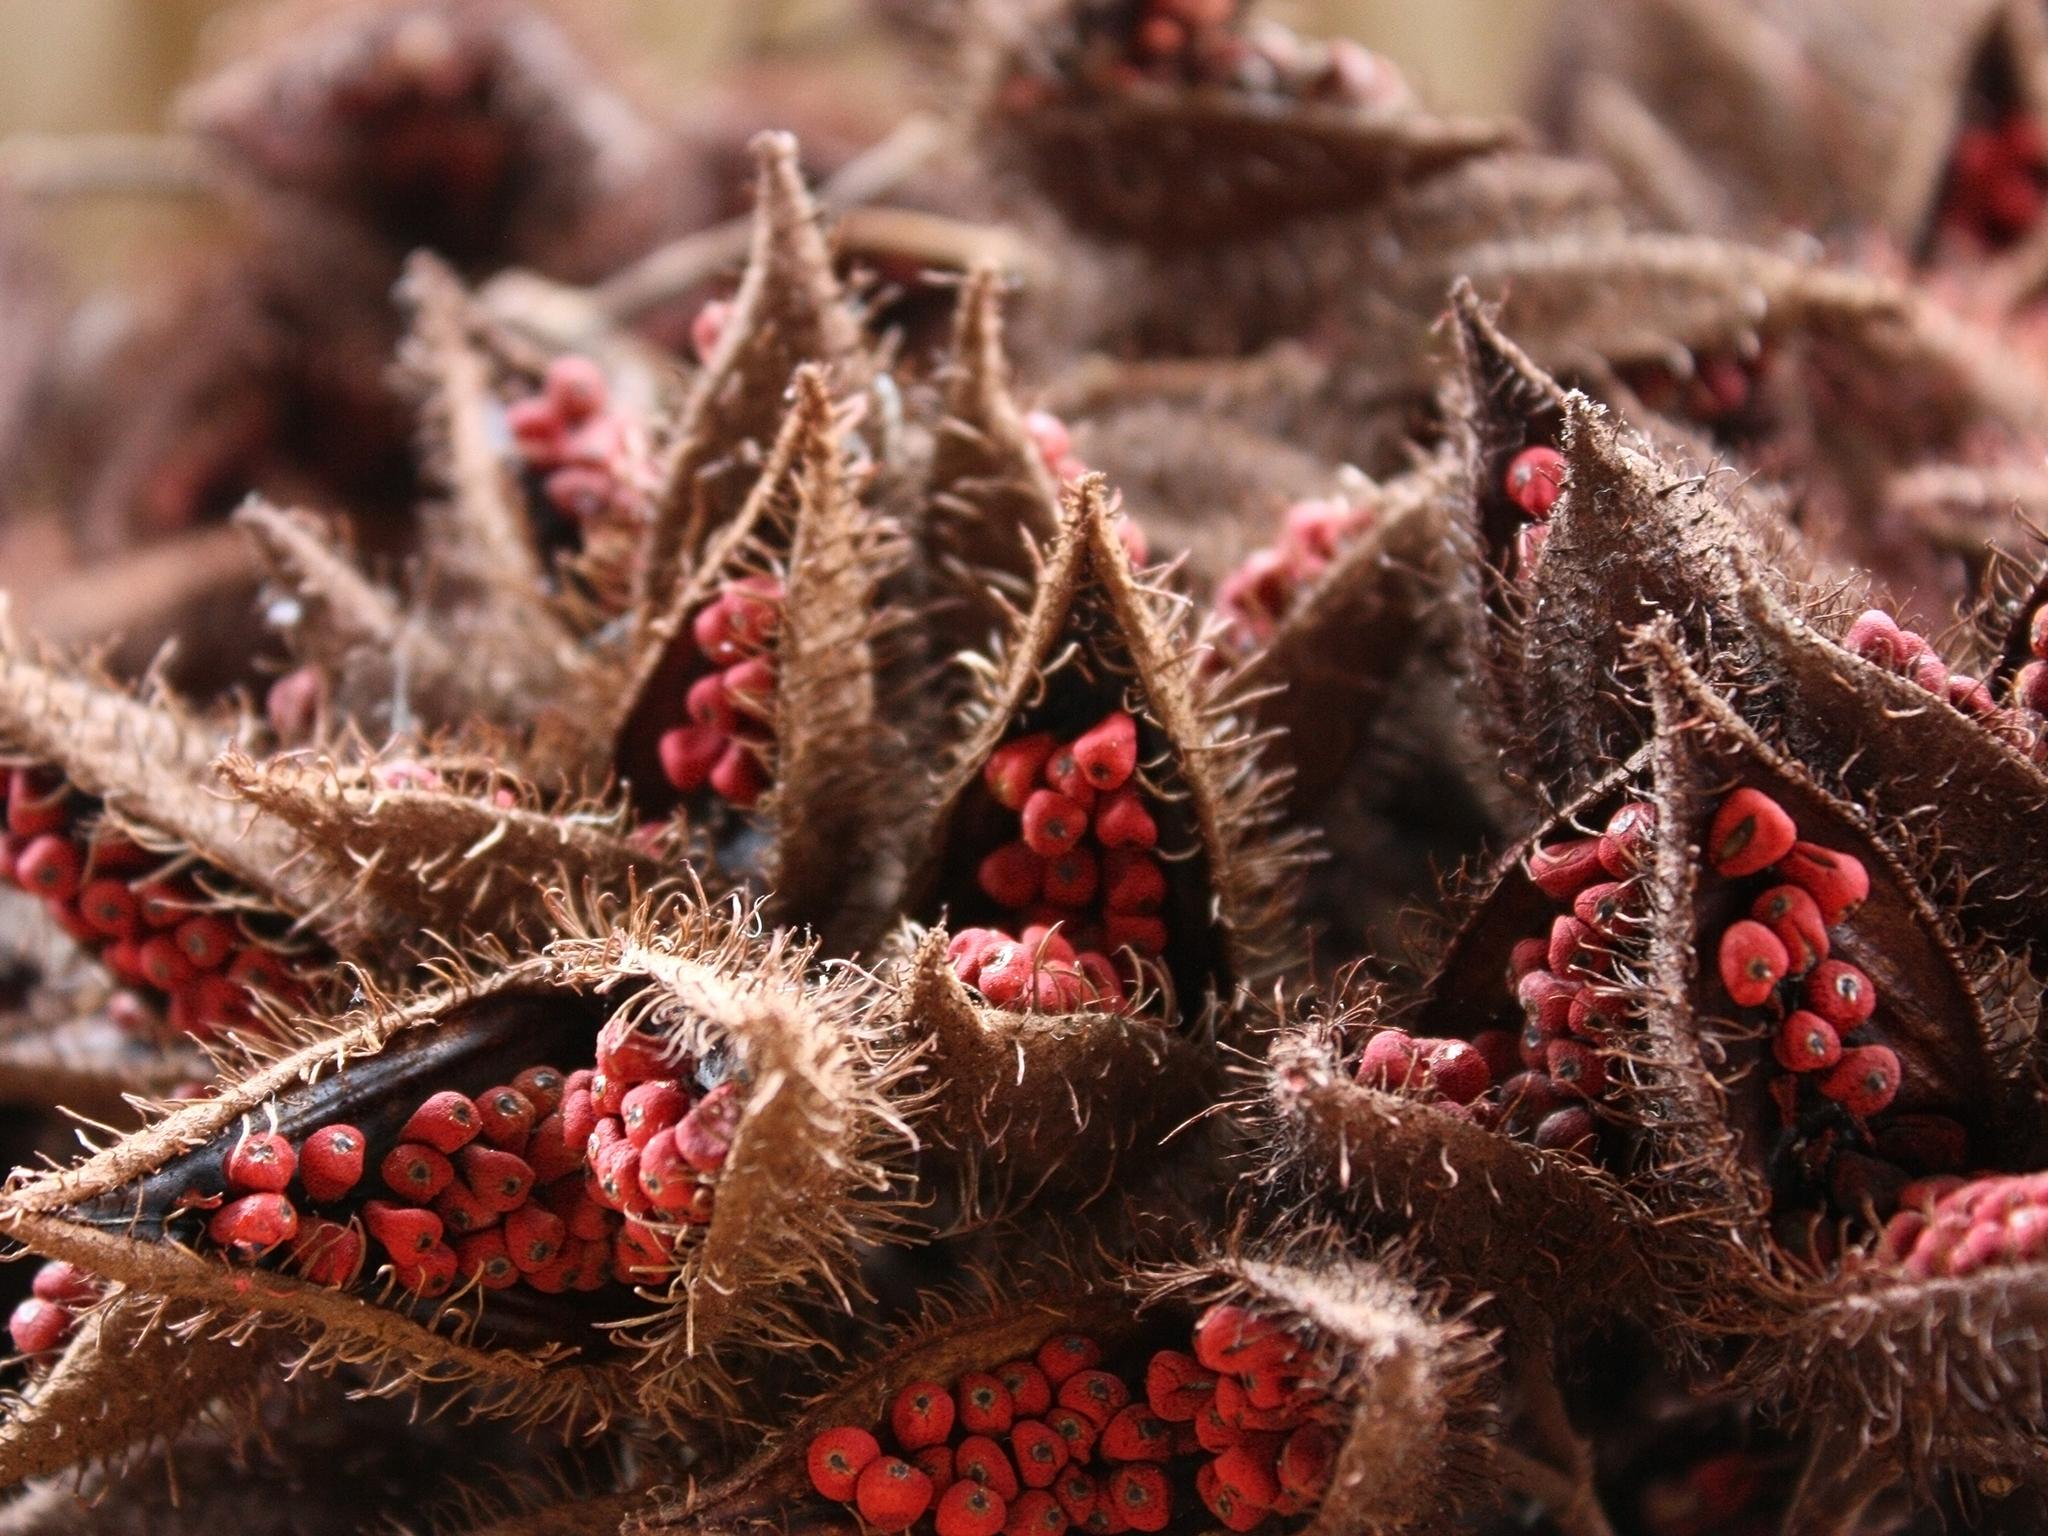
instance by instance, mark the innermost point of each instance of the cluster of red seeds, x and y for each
(43, 1321)
(1947, 1226)
(1037, 1446)
(1717, 386)
(731, 697)
(558, 1183)
(141, 913)
(592, 460)
(1997, 178)
(1254, 597)
(1081, 880)
(1533, 481)
(1878, 639)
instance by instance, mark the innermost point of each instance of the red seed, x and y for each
(1122, 821)
(499, 1180)
(206, 941)
(1567, 1130)
(1751, 832)
(1865, 1080)
(1576, 1068)
(1534, 480)
(1230, 1339)
(1391, 1060)
(1108, 752)
(936, 1463)
(50, 866)
(1875, 636)
(1572, 947)
(1040, 1452)
(1095, 1394)
(326, 1252)
(416, 1172)
(1030, 1392)
(921, 1415)
(447, 1122)
(705, 1135)
(1035, 1513)
(1132, 881)
(640, 1254)
(1601, 907)
(505, 1116)
(650, 1107)
(739, 777)
(1077, 1493)
(629, 1054)
(1011, 876)
(837, 1457)
(430, 1274)
(1306, 1461)
(1127, 930)
(1136, 1433)
(1625, 844)
(665, 1176)
(543, 1088)
(1752, 962)
(1497, 1048)
(1546, 1001)
(1064, 774)
(1794, 916)
(1052, 823)
(109, 908)
(37, 1327)
(1457, 1071)
(1806, 1042)
(34, 806)
(969, 1509)
(985, 1406)
(1841, 994)
(1837, 882)
(255, 1224)
(1249, 1475)
(979, 1459)
(461, 1212)
(1561, 870)
(1012, 770)
(1071, 879)
(1064, 1354)
(263, 1163)
(1139, 1495)
(534, 1236)
(688, 753)
(65, 1283)
(331, 1162)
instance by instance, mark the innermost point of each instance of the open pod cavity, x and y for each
(1104, 819)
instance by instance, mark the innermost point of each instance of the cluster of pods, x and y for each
(555, 1181)
(142, 913)
(731, 697)
(1037, 1446)
(1266, 583)
(1080, 882)
(47, 1316)
(1533, 481)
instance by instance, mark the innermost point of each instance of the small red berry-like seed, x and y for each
(1006, 977)
(629, 1054)
(1806, 1042)
(1030, 1392)
(750, 684)
(739, 777)
(34, 807)
(1875, 637)
(666, 1178)
(1040, 1452)
(985, 1407)
(1076, 1492)
(505, 1117)
(969, 1509)
(543, 1089)
(1928, 1144)
(108, 907)
(969, 949)
(1140, 1496)
(1562, 870)
(406, 1231)
(1035, 1513)
(1535, 479)
(1177, 1386)
(534, 1236)
(65, 1284)
(1063, 1354)
(1751, 832)
(650, 1107)
(206, 940)
(416, 1172)
(688, 753)
(254, 1224)
(1794, 916)
(1012, 770)
(705, 1135)
(579, 1119)
(891, 1494)
(608, 1096)
(837, 1457)
(1572, 948)
(1601, 907)
(1230, 1339)
(1529, 1096)
(164, 965)
(1970, 696)
(1129, 930)
(331, 1162)
(1136, 1433)
(1122, 821)
(1546, 1001)
(461, 1212)
(1567, 1130)
(756, 609)
(1052, 823)
(429, 1275)
(326, 1252)
(921, 1415)
(979, 1459)
(1841, 994)
(1838, 882)
(1625, 844)
(1930, 672)
(1306, 1460)
(2030, 685)
(499, 1180)
(1063, 773)
(1132, 881)
(1865, 1080)
(1391, 1059)
(1108, 752)
(50, 866)
(615, 1177)
(485, 1257)
(1752, 962)
(1011, 876)
(262, 1163)
(575, 386)
(936, 1463)
(447, 1122)
(1498, 1049)
(1249, 1475)
(712, 629)
(1457, 1071)
(640, 1254)
(1576, 1068)
(37, 1327)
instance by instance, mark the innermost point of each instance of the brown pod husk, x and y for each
(808, 1178)
(99, 1213)
(788, 311)
(1095, 636)
(458, 862)
(1482, 1203)
(129, 1376)
(1027, 1102)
